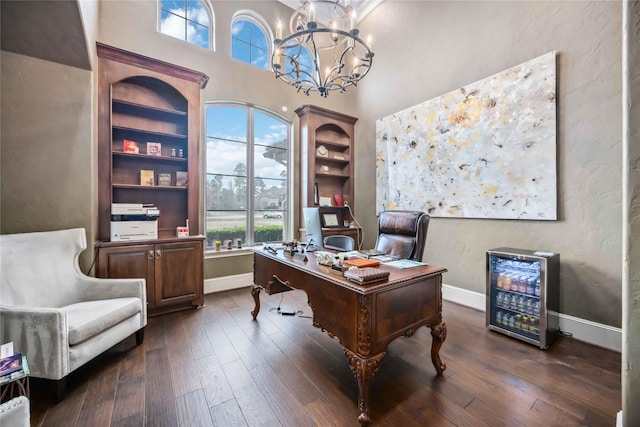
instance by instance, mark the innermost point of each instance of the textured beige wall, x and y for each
(425, 49)
(47, 171)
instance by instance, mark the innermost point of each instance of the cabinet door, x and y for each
(179, 274)
(127, 262)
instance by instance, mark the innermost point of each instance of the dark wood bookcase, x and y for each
(327, 163)
(144, 100)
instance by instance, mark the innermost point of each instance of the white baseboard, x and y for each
(464, 297)
(584, 330)
(225, 283)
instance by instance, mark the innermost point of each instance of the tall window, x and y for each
(249, 41)
(247, 174)
(187, 20)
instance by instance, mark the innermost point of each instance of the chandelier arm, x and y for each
(335, 79)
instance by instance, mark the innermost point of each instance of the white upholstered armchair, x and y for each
(56, 316)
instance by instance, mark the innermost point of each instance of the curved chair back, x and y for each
(402, 233)
(339, 243)
(40, 259)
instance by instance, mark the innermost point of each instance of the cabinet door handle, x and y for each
(150, 255)
(158, 254)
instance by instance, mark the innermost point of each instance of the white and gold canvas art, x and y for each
(486, 150)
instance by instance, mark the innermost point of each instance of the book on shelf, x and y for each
(164, 179)
(154, 149)
(129, 146)
(182, 178)
(405, 263)
(366, 275)
(147, 177)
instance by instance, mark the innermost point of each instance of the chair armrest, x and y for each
(97, 288)
(40, 333)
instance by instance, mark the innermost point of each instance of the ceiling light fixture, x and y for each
(323, 51)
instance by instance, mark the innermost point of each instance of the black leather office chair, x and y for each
(402, 234)
(339, 242)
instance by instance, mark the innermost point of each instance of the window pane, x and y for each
(198, 35)
(270, 196)
(259, 57)
(224, 156)
(228, 199)
(258, 38)
(270, 162)
(227, 123)
(225, 225)
(226, 192)
(268, 130)
(174, 6)
(197, 13)
(172, 25)
(240, 50)
(241, 31)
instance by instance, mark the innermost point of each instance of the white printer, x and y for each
(133, 221)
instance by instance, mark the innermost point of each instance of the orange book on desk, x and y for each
(362, 262)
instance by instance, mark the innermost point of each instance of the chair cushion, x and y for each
(90, 318)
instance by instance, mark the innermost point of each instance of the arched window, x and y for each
(188, 20)
(250, 39)
(248, 174)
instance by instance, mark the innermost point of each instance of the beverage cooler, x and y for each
(522, 294)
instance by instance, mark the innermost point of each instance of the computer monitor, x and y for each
(312, 226)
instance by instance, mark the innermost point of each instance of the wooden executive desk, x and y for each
(364, 318)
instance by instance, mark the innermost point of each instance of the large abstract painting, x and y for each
(486, 150)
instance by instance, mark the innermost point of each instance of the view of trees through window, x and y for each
(246, 175)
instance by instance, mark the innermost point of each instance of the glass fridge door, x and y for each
(514, 303)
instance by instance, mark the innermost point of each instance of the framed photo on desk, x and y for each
(330, 220)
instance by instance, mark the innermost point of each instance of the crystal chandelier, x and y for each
(323, 51)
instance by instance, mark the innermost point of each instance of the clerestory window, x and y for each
(188, 20)
(250, 40)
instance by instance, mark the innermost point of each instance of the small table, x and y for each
(15, 384)
(364, 318)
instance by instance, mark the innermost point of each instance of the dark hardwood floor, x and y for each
(215, 366)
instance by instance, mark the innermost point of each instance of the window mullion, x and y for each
(250, 173)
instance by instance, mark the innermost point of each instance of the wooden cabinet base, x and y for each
(172, 268)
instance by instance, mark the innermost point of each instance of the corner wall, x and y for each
(46, 175)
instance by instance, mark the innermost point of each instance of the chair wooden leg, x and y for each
(59, 389)
(139, 336)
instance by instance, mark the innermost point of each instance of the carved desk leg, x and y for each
(255, 292)
(364, 370)
(439, 334)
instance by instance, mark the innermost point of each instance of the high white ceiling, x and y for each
(361, 7)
